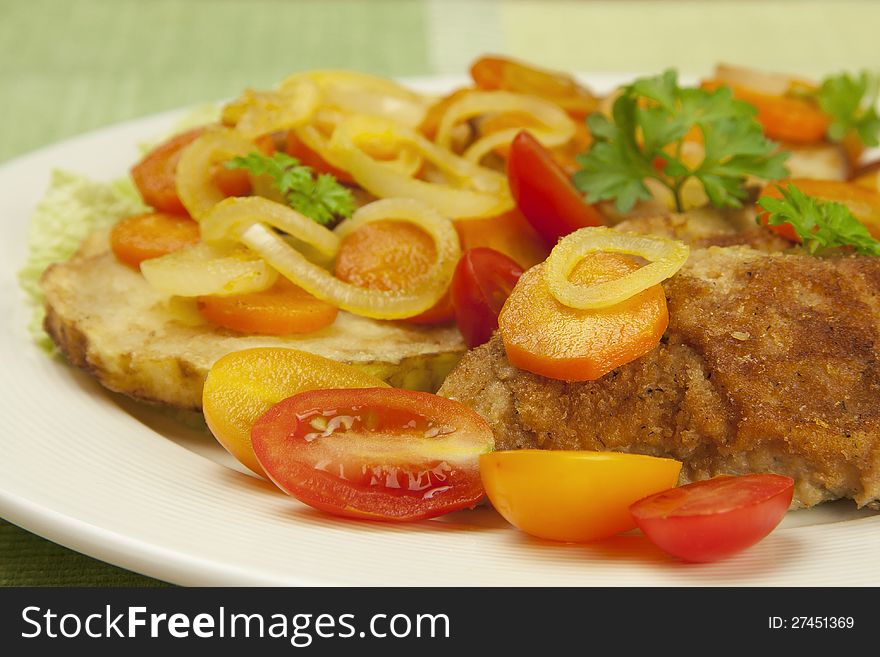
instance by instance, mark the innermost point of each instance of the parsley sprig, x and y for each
(821, 225)
(650, 120)
(320, 197)
(851, 102)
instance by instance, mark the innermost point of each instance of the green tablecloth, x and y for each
(70, 66)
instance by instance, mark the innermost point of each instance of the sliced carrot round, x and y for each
(231, 182)
(283, 309)
(297, 148)
(155, 175)
(784, 118)
(392, 256)
(545, 337)
(151, 235)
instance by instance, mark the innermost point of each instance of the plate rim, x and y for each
(152, 559)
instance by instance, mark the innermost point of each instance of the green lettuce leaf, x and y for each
(73, 207)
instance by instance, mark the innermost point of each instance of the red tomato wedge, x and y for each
(710, 520)
(374, 453)
(543, 192)
(483, 280)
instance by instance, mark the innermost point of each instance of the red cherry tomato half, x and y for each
(374, 453)
(543, 192)
(482, 282)
(713, 519)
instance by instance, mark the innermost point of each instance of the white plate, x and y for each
(115, 480)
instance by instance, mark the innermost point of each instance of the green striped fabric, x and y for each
(68, 67)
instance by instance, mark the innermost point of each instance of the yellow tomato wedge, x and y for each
(243, 385)
(572, 496)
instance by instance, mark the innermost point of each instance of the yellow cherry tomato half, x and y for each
(243, 385)
(572, 496)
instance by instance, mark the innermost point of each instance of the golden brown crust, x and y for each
(106, 319)
(770, 363)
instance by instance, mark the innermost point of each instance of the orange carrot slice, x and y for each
(151, 235)
(155, 175)
(784, 118)
(391, 255)
(545, 337)
(283, 309)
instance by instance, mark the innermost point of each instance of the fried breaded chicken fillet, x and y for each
(771, 363)
(708, 226)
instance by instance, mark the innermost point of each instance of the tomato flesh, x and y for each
(242, 385)
(483, 280)
(714, 519)
(376, 453)
(543, 192)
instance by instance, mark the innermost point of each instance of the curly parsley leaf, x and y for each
(821, 225)
(851, 102)
(321, 198)
(644, 138)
